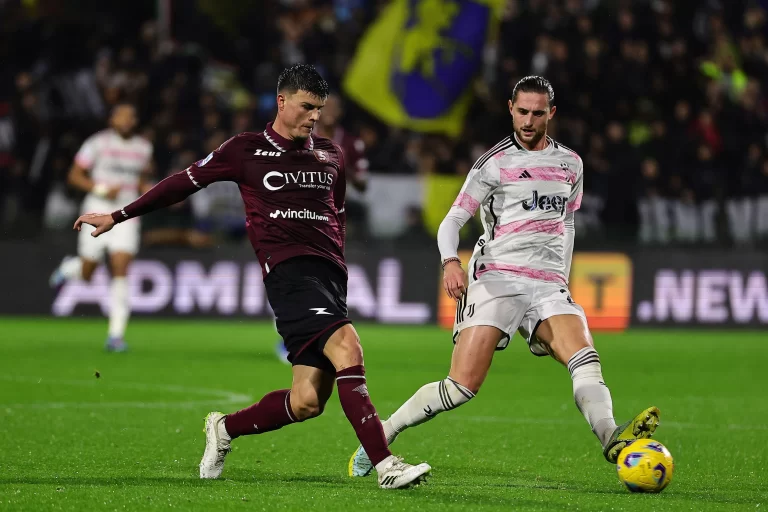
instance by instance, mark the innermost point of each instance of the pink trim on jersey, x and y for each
(532, 273)
(467, 202)
(548, 226)
(500, 154)
(121, 153)
(509, 175)
(82, 162)
(123, 186)
(575, 204)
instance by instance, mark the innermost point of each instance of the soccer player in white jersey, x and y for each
(527, 188)
(112, 167)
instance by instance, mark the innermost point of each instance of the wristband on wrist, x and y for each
(448, 260)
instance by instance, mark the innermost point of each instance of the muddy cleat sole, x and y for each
(641, 427)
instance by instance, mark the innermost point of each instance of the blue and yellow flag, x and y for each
(415, 64)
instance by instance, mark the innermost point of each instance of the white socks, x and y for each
(120, 308)
(425, 404)
(72, 268)
(591, 394)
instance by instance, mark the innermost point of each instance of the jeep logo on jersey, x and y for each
(261, 152)
(545, 203)
(303, 179)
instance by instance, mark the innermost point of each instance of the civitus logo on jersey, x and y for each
(276, 180)
(545, 203)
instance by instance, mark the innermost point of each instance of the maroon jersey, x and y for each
(293, 194)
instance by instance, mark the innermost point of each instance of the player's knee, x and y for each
(348, 350)
(453, 393)
(307, 407)
(563, 348)
(306, 401)
(308, 410)
(470, 382)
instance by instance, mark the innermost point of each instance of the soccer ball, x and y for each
(645, 465)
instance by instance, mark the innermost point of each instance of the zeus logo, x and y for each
(261, 152)
(276, 180)
(320, 311)
(545, 203)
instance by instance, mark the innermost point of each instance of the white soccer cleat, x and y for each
(58, 278)
(400, 475)
(217, 446)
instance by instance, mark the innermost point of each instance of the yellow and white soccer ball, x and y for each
(645, 466)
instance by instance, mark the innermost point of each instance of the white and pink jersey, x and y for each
(524, 197)
(114, 161)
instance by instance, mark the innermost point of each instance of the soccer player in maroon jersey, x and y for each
(293, 186)
(353, 148)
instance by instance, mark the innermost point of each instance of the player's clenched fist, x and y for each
(102, 222)
(454, 280)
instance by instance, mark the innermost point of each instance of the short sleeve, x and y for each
(481, 181)
(577, 190)
(88, 153)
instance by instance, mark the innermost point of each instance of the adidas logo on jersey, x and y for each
(525, 174)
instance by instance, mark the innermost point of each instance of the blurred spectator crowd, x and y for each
(666, 101)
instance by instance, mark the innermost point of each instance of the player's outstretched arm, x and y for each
(171, 190)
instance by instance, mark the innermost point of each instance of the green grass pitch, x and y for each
(132, 439)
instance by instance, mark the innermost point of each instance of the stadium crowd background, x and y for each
(666, 101)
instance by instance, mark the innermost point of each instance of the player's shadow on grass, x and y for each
(193, 480)
(474, 498)
(236, 475)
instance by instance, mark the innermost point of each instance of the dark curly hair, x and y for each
(302, 77)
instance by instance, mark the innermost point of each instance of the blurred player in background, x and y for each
(329, 126)
(528, 187)
(294, 187)
(112, 167)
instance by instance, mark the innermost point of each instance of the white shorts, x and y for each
(124, 237)
(511, 304)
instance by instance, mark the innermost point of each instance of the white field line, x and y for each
(217, 396)
(577, 421)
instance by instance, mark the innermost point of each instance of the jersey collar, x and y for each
(283, 144)
(547, 149)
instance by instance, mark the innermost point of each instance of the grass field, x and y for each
(132, 439)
